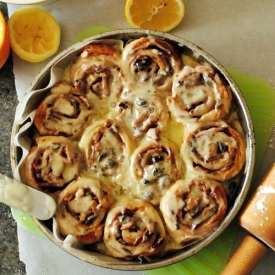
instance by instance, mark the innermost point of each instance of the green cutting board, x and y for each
(260, 97)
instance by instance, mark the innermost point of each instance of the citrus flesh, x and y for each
(161, 15)
(34, 34)
(4, 40)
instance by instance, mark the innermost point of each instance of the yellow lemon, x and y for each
(34, 34)
(4, 40)
(161, 15)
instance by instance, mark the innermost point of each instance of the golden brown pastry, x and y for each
(97, 71)
(64, 114)
(214, 150)
(198, 94)
(107, 149)
(155, 166)
(52, 163)
(151, 62)
(192, 209)
(81, 209)
(133, 229)
(143, 111)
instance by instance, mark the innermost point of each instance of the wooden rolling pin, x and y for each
(258, 218)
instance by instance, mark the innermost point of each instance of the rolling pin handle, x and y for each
(246, 257)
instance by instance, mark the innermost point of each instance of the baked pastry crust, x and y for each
(214, 150)
(192, 208)
(52, 164)
(107, 148)
(199, 94)
(150, 61)
(134, 228)
(65, 114)
(96, 72)
(143, 112)
(155, 166)
(81, 209)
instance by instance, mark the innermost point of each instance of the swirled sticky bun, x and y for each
(150, 61)
(198, 94)
(97, 71)
(193, 208)
(81, 209)
(64, 114)
(107, 148)
(52, 163)
(142, 112)
(134, 229)
(155, 166)
(214, 150)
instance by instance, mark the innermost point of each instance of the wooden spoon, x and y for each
(258, 218)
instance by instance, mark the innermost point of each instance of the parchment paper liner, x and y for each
(53, 73)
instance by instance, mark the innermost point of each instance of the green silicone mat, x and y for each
(260, 97)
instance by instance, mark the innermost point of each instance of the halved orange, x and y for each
(4, 40)
(34, 34)
(161, 15)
